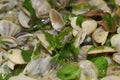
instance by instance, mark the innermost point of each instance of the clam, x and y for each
(80, 10)
(103, 49)
(89, 26)
(4, 69)
(42, 8)
(89, 70)
(118, 30)
(117, 2)
(38, 67)
(116, 57)
(80, 38)
(21, 77)
(56, 20)
(23, 19)
(61, 3)
(12, 16)
(15, 56)
(73, 23)
(23, 37)
(83, 51)
(99, 35)
(7, 4)
(101, 4)
(3, 56)
(8, 28)
(42, 38)
(8, 42)
(115, 41)
(111, 77)
(113, 70)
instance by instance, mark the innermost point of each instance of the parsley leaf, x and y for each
(79, 20)
(69, 72)
(102, 64)
(81, 6)
(108, 19)
(26, 54)
(36, 51)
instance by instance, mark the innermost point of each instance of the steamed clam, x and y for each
(39, 37)
(8, 42)
(23, 19)
(99, 35)
(7, 28)
(42, 8)
(90, 71)
(56, 20)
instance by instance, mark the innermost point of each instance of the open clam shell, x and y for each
(115, 41)
(89, 70)
(15, 56)
(56, 20)
(103, 49)
(111, 77)
(42, 8)
(99, 35)
(8, 42)
(23, 19)
(8, 28)
(89, 26)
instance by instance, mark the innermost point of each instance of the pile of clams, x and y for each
(38, 37)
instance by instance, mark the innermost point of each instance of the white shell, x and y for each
(42, 38)
(101, 4)
(106, 49)
(56, 20)
(42, 7)
(118, 30)
(15, 56)
(115, 41)
(90, 71)
(8, 28)
(8, 42)
(80, 38)
(23, 19)
(99, 35)
(38, 66)
(116, 57)
(22, 39)
(21, 77)
(117, 2)
(111, 77)
(89, 26)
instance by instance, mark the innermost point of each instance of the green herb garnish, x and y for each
(69, 72)
(26, 54)
(102, 64)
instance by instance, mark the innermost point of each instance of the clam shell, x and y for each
(111, 77)
(8, 42)
(42, 8)
(99, 35)
(56, 20)
(8, 28)
(89, 70)
(15, 56)
(23, 19)
(105, 49)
